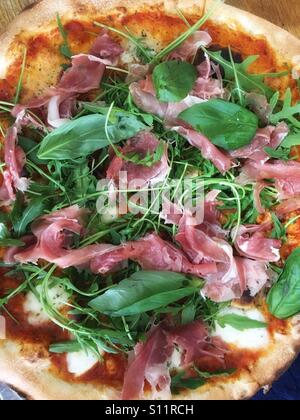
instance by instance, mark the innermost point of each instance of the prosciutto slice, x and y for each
(139, 176)
(285, 174)
(194, 339)
(84, 75)
(251, 242)
(208, 150)
(153, 253)
(265, 137)
(53, 235)
(15, 160)
(288, 206)
(150, 359)
(190, 47)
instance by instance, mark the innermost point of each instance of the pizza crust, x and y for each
(26, 370)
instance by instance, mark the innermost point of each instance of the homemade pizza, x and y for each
(150, 201)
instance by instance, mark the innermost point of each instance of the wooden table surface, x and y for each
(284, 13)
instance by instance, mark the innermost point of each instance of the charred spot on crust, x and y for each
(246, 299)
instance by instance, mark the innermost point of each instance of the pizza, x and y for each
(150, 201)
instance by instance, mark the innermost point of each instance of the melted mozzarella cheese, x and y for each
(251, 339)
(176, 359)
(34, 310)
(81, 362)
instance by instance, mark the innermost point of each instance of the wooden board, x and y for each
(284, 13)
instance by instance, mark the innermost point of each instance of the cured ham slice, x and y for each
(288, 206)
(285, 174)
(53, 235)
(150, 359)
(15, 160)
(195, 341)
(265, 137)
(106, 49)
(84, 75)
(190, 47)
(152, 253)
(251, 242)
(139, 176)
(209, 151)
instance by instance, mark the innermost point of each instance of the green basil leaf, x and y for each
(85, 135)
(30, 147)
(227, 125)
(240, 323)
(284, 298)
(174, 80)
(188, 314)
(291, 140)
(34, 210)
(141, 293)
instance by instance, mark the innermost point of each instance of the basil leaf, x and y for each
(143, 291)
(30, 147)
(82, 137)
(188, 313)
(240, 323)
(284, 298)
(291, 140)
(65, 347)
(174, 80)
(34, 210)
(227, 125)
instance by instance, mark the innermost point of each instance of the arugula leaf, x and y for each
(291, 140)
(174, 80)
(64, 48)
(34, 210)
(184, 36)
(179, 382)
(247, 81)
(284, 298)
(217, 373)
(87, 134)
(150, 159)
(227, 125)
(279, 230)
(289, 111)
(5, 240)
(65, 347)
(143, 291)
(240, 323)
(280, 153)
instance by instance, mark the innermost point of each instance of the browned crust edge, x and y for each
(32, 376)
